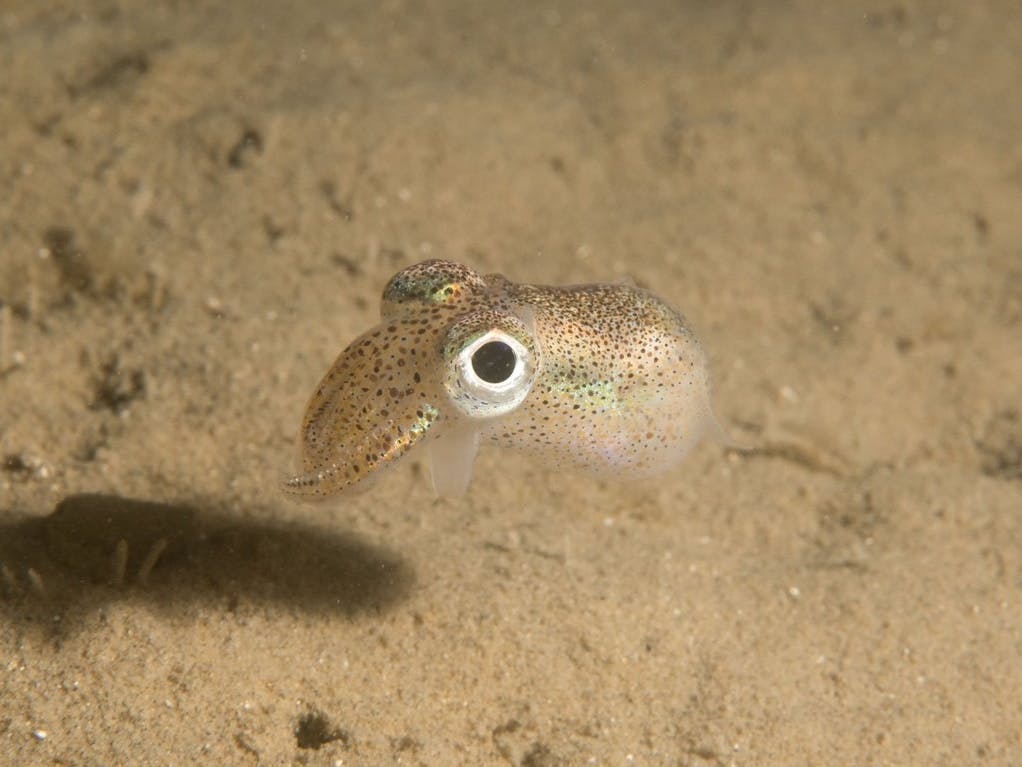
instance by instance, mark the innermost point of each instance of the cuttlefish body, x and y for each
(606, 378)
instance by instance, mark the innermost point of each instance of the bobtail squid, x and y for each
(605, 378)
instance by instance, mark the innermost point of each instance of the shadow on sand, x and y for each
(97, 549)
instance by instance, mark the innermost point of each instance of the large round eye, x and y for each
(493, 366)
(492, 360)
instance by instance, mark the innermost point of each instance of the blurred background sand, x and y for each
(200, 204)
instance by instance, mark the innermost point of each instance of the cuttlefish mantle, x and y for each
(605, 378)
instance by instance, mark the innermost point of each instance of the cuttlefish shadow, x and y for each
(96, 549)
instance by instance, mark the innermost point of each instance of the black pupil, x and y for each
(494, 362)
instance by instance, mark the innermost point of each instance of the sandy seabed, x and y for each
(199, 205)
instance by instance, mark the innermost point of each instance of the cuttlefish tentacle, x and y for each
(376, 402)
(383, 393)
(451, 456)
(606, 378)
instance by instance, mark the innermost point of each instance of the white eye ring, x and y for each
(495, 397)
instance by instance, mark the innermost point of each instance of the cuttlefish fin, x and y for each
(451, 456)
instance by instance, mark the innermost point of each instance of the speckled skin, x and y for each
(613, 382)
